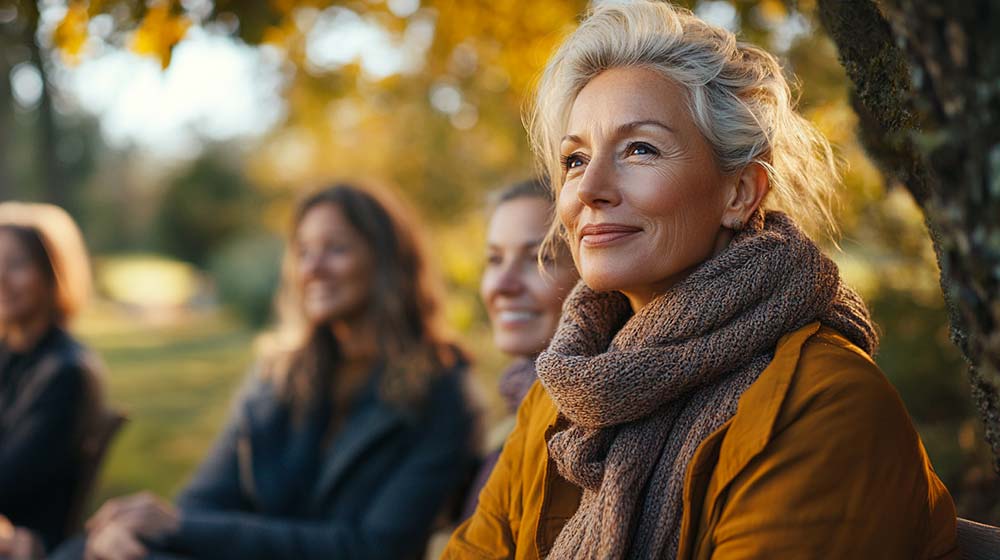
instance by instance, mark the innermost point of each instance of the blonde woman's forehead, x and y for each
(623, 100)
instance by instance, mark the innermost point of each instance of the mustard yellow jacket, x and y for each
(820, 460)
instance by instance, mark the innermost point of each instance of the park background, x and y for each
(180, 134)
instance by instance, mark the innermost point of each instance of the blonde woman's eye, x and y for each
(641, 149)
(571, 161)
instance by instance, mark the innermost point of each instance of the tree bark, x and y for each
(6, 123)
(926, 80)
(50, 169)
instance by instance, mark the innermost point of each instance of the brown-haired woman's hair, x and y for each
(404, 310)
(56, 246)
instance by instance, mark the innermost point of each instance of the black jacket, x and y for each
(269, 489)
(42, 396)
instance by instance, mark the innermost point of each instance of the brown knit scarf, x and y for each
(641, 392)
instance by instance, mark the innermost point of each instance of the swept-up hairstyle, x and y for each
(735, 92)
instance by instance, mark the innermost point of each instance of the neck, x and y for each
(640, 297)
(23, 336)
(357, 342)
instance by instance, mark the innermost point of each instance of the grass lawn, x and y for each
(175, 380)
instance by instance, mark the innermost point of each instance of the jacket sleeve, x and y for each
(394, 525)
(491, 532)
(215, 486)
(844, 476)
(41, 443)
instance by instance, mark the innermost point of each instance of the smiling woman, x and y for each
(641, 197)
(50, 389)
(523, 288)
(710, 391)
(353, 430)
(522, 293)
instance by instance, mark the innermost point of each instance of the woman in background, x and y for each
(49, 389)
(523, 295)
(354, 429)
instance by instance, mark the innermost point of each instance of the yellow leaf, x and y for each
(159, 32)
(284, 7)
(281, 36)
(70, 34)
(773, 11)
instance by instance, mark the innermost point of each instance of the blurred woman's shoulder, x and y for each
(63, 359)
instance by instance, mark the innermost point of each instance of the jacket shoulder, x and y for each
(65, 365)
(836, 380)
(831, 365)
(66, 354)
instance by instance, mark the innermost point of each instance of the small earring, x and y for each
(736, 225)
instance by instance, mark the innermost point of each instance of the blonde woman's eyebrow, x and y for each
(630, 126)
(623, 129)
(571, 138)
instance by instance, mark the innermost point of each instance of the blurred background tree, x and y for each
(925, 80)
(189, 128)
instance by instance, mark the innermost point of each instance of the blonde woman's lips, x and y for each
(599, 235)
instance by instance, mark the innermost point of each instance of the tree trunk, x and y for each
(50, 169)
(927, 90)
(6, 123)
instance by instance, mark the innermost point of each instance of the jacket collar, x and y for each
(281, 452)
(286, 459)
(364, 428)
(753, 424)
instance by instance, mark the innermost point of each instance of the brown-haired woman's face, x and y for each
(523, 303)
(642, 196)
(334, 266)
(26, 293)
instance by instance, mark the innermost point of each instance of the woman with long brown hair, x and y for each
(49, 387)
(353, 431)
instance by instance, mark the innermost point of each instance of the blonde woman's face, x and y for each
(642, 198)
(333, 266)
(25, 292)
(523, 302)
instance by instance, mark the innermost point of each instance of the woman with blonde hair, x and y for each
(522, 288)
(353, 431)
(710, 391)
(49, 388)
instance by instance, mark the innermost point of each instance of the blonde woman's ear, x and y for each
(747, 194)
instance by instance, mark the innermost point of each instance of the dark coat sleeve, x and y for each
(395, 524)
(215, 486)
(40, 445)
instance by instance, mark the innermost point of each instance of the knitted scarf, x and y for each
(641, 391)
